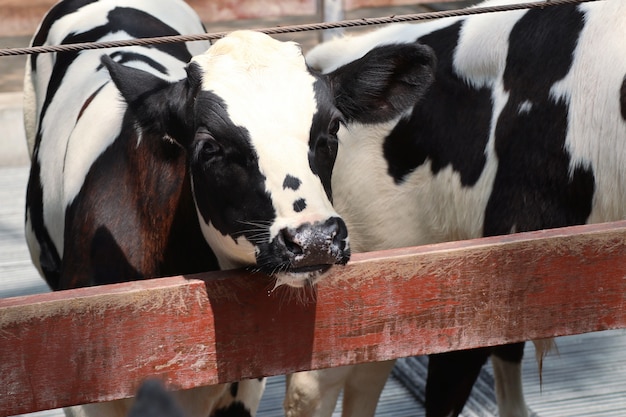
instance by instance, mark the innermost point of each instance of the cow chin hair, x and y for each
(300, 288)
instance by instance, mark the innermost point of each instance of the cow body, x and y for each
(150, 161)
(523, 128)
(74, 122)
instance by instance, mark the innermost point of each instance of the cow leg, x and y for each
(315, 393)
(451, 376)
(240, 399)
(507, 370)
(363, 387)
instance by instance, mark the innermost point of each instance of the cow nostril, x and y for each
(291, 245)
(338, 231)
(313, 246)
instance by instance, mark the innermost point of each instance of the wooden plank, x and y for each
(97, 344)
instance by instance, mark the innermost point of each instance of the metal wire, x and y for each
(289, 29)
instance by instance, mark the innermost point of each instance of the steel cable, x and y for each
(289, 29)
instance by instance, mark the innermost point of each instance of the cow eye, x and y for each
(334, 126)
(327, 145)
(208, 148)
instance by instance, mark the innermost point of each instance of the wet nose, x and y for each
(316, 244)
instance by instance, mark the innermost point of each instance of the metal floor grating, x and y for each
(587, 378)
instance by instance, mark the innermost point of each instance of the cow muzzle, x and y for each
(302, 254)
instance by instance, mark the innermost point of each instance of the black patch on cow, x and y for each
(451, 376)
(622, 98)
(541, 48)
(534, 188)
(235, 409)
(291, 182)
(229, 187)
(434, 132)
(234, 388)
(49, 258)
(109, 262)
(299, 205)
(513, 353)
(323, 142)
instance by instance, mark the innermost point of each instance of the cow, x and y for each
(522, 128)
(148, 161)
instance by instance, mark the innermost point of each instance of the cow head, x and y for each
(259, 128)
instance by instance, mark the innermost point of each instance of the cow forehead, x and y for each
(255, 66)
(264, 83)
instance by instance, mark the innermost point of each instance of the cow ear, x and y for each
(134, 84)
(384, 83)
(158, 105)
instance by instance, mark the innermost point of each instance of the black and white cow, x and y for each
(522, 128)
(145, 165)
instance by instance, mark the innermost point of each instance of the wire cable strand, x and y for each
(416, 17)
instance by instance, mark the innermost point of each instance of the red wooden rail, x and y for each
(97, 344)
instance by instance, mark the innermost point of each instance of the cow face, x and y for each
(259, 128)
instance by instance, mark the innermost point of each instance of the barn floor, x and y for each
(586, 378)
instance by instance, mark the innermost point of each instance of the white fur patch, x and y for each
(509, 390)
(525, 107)
(230, 253)
(597, 132)
(480, 56)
